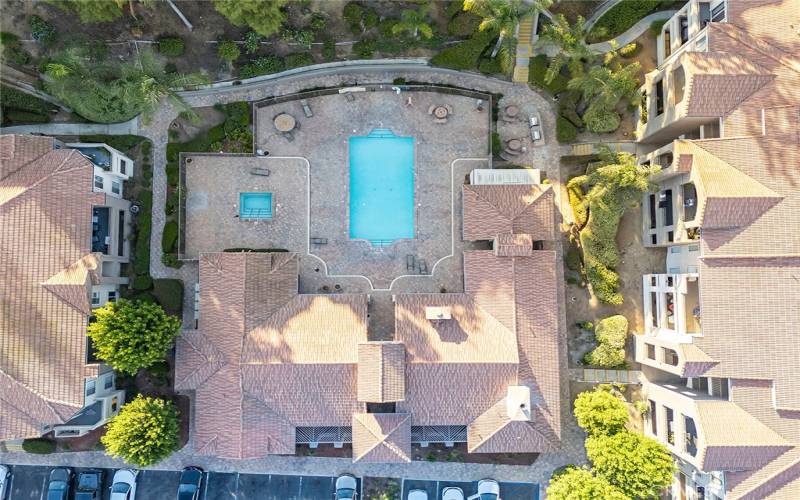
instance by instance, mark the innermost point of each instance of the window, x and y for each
(667, 44)
(670, 425)
(95, 299)
(98, 181)
(659, 97)
(684, 24)
(90, 387)
(651, 351)
(670, 357)
(653, 417)
(109, 383)
(115, 187)
(719, 387)
(123, 167)
(678, 83)
(112, 296)
(718, 13)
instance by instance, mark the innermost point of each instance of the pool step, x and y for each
(381, 132)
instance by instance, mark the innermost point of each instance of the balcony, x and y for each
(101, 232)
(672, 306)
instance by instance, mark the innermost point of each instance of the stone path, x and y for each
(633, 33)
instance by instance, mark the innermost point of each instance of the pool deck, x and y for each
(213, 184)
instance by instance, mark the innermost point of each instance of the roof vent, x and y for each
(437, 312)
(518, 403)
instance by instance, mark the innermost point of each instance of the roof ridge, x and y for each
(44, 399)
(741, 36)
(381, 440)
(43, 179)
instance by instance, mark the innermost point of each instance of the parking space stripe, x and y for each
(205, 490)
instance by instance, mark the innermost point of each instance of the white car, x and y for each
(452, 493)
(488, 489)
(5, 475)
(346, 487)
(417, 495)
(124, 485)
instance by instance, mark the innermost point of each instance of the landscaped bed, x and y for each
(624, 15)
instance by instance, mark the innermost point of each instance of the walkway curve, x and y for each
(599, 12)
(633, 32)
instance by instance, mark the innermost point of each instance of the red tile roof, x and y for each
(381, 437)
(381, 372)
(493, 209)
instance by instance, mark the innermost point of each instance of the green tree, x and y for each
(572, 51)
(263, 16)
(502, 16)
(132, 335)
(604, 88)
(145, 431)
(580, 484)
(639, 466)
(413, 22)
(228, 51)
(112, 91)
(599, 412)
(611, 334)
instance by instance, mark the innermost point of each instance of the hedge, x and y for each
(490, 66)
(173, 173)
(169, 293)
(655, 26)
(463, 24)
(171, 46)
(145, 199)
(464, 55)
(497, 144)
(13, 98)
(142, 282)
(329, 49)
(620, 18)
(538, 68)
(25, 116)
(565, 130)
(170, 236)
(39, 446)
(261, 66)
(141, 257)
(610, 334)
(298, 59)
(578, 204)
(172, 203)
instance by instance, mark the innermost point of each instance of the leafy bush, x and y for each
(371, 18)
(600, 412)
(141, 260)
(171, 46)
(43, 32)
(132, 335)
(11, 50)
(455, 7)
(169, 294)
(26, 117)
(622, 17)
(567, 107)
(170, 236)
(580, 484)
(142, 282)
(577, 201)
(386, 27)
(298, 59)
(630, 50)
(261, 66)
(565, 130)
(14, 99)
(146, 431)
(329, 49)
(610, 334)
(538, 68)
(228, 51)
(40, 446)
(265, 18)
(639, 466)
(463, 24)
(464, 55)
(353, 12)
(318, 21)
(252, 42)
(364, 48)
(490, 66)
(601, 120)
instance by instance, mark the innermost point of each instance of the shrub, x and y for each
(170, 236)
(329, 49)
(464, 55)
(577, 201)
(26, 117)
(261, 66)
(40, 446)
(621, 17)
(371, 19)
(141, 261)
(565, 131)
(573, 258)
(132, 335)
(13, 98)
(364, 48)
(601, 120)
(11, 50)
(455, 7)
(567, 107)
(170, 260)
(228, 51)
(463, 24)
(41, 31)
(146, 431)
(172, 203)
(353, 13)
(386, 27)
(171, 46)
(142, 282)
(490, 66)
(169, 294)
(318, 21)
(610, 334)
(173, 174)
(298, 59)
(580, 484)
(538, 68)
(630, 50)
(600, 412)
(639, 466)
(605, 282)
(252, 42)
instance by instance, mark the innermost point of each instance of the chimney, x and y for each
(518, 403)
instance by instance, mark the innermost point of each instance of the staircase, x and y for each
(524, 50)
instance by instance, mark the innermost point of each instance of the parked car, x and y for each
(123, 487)
(488, 489)
(452, 493)
(58, 486)
(189, 486)
(89, 484)
(417, 495)
(5, 475)
(346, 486)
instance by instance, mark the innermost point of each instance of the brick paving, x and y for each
(447, 275)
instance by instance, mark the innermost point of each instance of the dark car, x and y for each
(189, 487)
(89, 484)
(58, 486)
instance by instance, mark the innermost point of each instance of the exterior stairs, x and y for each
(524, 50)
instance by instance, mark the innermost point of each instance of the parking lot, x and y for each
(30, 483)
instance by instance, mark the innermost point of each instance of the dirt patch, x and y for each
(438, 452)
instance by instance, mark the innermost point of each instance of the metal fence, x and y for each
(306, 435)
(438, 433)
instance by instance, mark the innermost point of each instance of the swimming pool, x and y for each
(381, 187)
(255, 205)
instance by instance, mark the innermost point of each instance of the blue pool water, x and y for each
(255, 205)
(381, 187)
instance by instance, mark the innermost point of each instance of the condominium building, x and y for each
(719, 348)
(64, 230)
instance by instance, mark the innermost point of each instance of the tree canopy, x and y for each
(263, 16)
(639, 466)
(145, 432)
(604, 88)
(580, 484)
(502, 17)
(600, 412)
(132, 335)
(413, 22)
(572, 51)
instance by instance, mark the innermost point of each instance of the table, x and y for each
(514, 144)
(284, 122)
(440, 112)
(512, 111)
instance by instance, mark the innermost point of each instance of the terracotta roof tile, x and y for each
(495, 432)
(381, 372)
(490, 210)
(513, 245)
(381, 437)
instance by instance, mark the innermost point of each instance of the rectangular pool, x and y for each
(381, 187)
(255, 205)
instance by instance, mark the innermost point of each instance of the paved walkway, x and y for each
(131, 127)
(633, 33)
(599, 11)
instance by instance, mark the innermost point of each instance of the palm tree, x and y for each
(572, 51)
(605, 87)
(504, 15)
(414, 22)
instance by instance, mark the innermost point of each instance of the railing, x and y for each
(438, 433)
(306, 435)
